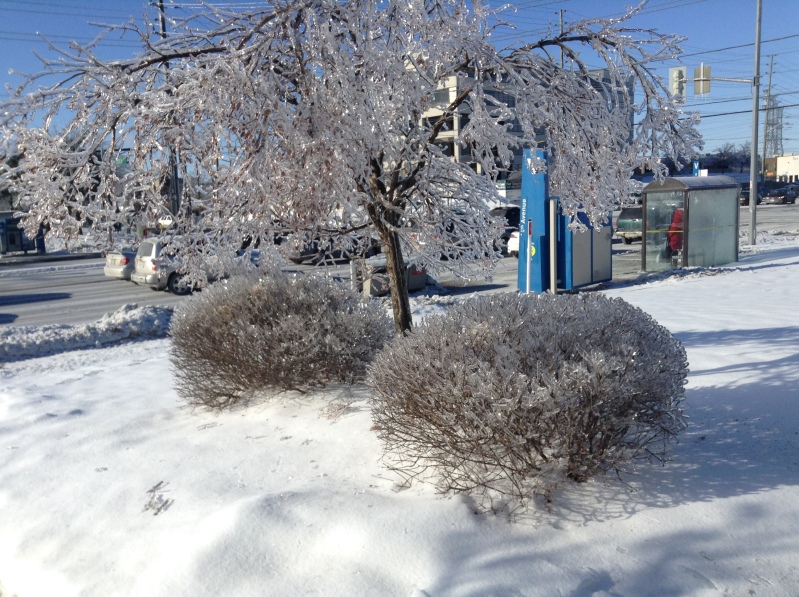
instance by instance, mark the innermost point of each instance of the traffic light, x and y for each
(677, 81)
(702, 80)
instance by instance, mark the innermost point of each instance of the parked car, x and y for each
(154, 271)
(780, 196)
(744, 198)
(629, 225)
(512, 214)
(304, 249)
(120, 263)
(513, 244)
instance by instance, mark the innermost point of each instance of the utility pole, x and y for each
(766, 119)
(561, 32)
(174, 187)
(162, 18)
(755, 115)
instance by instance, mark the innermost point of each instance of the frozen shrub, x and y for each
(507, 395)
(277, 331)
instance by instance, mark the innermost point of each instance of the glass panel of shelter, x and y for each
(664, 230)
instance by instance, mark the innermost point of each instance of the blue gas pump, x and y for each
(580, 258)
(533, 272)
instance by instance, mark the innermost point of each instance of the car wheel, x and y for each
(627, 240)
(175, 285)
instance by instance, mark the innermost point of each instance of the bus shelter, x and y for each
(689, 221)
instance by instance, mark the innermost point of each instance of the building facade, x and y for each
(787, 168)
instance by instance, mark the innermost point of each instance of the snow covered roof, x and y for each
(690, 183)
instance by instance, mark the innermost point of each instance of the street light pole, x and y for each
(753, 170)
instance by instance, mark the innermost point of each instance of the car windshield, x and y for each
(631, 213)
(148, 249)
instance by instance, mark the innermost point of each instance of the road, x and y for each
(771, 218)
(78, 292)
(75, 292)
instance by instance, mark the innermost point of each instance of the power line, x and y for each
(739, 46)
(44, 38)
(522, 35)
(746, 111)
(736, 99)
(93, 15)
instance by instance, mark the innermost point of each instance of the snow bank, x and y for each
(129, 322)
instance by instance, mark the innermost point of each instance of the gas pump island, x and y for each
(565, 260)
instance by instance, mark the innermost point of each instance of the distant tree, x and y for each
(743, 155)
(309, 116)
(726, 156)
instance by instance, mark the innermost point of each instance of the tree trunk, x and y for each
(395, 267)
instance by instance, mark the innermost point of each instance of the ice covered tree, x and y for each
(314, 116)
(8, 163)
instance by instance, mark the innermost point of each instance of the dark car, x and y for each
(629, 225)
(512, 214)
(780, 196)
(744, 198)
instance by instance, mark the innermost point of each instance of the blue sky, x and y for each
(719, 32)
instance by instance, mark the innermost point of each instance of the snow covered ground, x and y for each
(109, 485)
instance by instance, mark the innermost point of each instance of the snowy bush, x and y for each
(507, 396)
(278, 331)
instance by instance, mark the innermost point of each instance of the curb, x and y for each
(45, 258)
